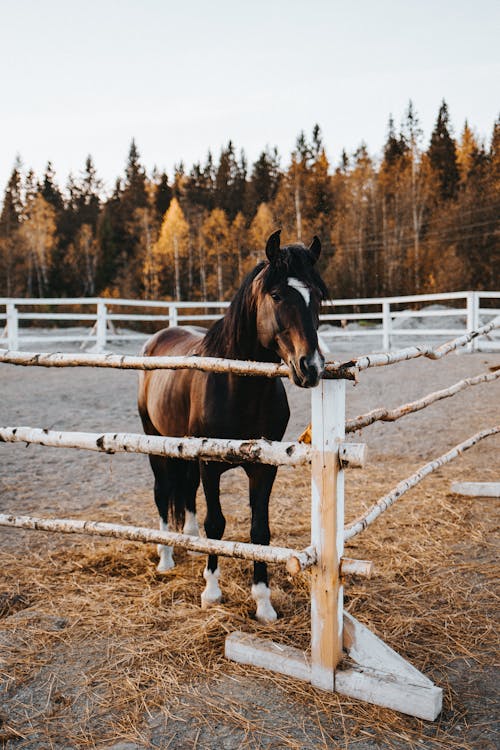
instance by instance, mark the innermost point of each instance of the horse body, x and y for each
(273, 316)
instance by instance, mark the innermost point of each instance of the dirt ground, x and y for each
(98, 651)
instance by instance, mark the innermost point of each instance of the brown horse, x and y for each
(274, 316)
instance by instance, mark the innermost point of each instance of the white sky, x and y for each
(182, 77)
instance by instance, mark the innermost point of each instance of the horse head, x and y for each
(289, 291)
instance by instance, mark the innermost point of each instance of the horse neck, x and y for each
(235, 337)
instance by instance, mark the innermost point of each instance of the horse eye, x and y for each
(276, 296)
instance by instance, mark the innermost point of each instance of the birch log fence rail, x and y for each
(372, 671)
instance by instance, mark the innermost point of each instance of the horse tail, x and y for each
(176, 482)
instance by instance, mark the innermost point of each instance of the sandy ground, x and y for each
(63, 482)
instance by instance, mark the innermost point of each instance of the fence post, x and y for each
(12, 326)
(172, 316)
(386, 326)
(472, 317)
(100, 343)
(327, 530)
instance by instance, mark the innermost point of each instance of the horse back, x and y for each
(162, 398)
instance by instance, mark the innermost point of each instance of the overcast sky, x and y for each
(182, 77)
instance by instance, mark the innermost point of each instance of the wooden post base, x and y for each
(372, 672)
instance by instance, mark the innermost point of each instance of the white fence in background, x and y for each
(375, 317)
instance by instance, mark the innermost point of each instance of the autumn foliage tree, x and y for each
(420, 217)
(169, 252)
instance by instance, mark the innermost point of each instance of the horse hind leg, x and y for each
(215, 524)
(163, 489)
(192, 480)
(176, 482)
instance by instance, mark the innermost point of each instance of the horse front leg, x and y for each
(215, 523)
(261, 480)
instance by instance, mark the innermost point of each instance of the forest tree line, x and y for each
(419, 218)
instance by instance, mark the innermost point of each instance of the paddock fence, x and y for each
(385, 319)
(373, 672)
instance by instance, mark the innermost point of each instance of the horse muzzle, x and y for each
(307, 370)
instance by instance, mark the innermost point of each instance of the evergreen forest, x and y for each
(419, 217)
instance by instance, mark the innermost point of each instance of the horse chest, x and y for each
(242, 408)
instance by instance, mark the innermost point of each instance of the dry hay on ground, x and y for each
(99, 649)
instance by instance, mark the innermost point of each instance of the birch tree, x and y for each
(172, 245)
(38, 231)
(216, 239)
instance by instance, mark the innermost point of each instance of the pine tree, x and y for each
(12, 206)
(10, 219)
(443, 155)
(134, 191)
(230, 181)
(395, 146)
(50, 191)
(200, 185)
(111, 236)
(467, 152)
(264, 180)
(163, 195)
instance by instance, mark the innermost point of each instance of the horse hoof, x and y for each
(211, 594)
(165, 566)
(265, 611)
(267, 617)
(208, 601)
(164, 569)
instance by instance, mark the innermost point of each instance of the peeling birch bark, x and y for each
(243, 550)
(128, 362)
(191, 448)
(391, 415)
(412, 352)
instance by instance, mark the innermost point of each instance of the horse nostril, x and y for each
(304, 365)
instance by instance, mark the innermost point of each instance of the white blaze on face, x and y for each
(301, 288)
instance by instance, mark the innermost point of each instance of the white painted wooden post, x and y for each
(477, 322)
(327, 530)
(472, 317)
(172, 316)
(386, 326)
(100, 344)
(12, 326)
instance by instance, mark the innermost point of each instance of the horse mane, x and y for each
(227, 336)
(236, 331)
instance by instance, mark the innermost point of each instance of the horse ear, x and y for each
(315, 248)
(273, 246)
